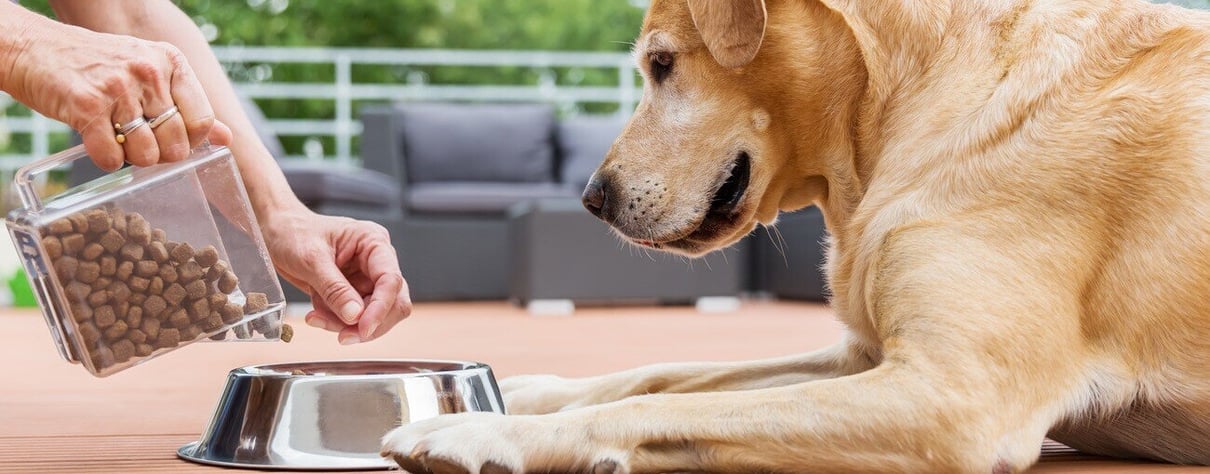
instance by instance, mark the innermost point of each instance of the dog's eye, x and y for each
(661, 66)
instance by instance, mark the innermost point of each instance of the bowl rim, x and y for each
(293, 369)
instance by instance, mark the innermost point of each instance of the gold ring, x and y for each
(161, 118)
(124, 130)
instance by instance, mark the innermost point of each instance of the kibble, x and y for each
(255, 302)
(175, 293)
(196, 290)
(207, 256)
(287, 333)
(134, 317)
(79, 223)
(53, 247)
(88, 272)
(136, 336)
(216, 271)
(191, 271)
(199, 309)
(181, 253)
(90, 334)
(112, 241)
(98, 220)
(168, 338)
(231, 313)
(104, 316)
(92, 251)
(116, 330)
(151, 327)
(169, 274)
(109, 266)
(81, 312)
(157, 252)
(60, 227)
(66, 268)
(228, 282)
(123, 350)
(131, 290)
(137, 229)
(154, 306)
(73, 243)
(146, 268)
(139, 284)
(132, 252)
(125, 269)
(98, 298)
(78, 291)
(156, 287)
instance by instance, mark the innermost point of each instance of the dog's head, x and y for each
(707, 157)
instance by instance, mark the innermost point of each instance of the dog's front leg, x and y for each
(982, 354)
(538, 394)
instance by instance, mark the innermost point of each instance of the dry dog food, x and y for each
(133, 291)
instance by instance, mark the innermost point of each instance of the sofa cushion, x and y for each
(478, 142)
(320, 183)
(583, 143)
(493, 198)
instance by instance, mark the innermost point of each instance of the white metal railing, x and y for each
(344, 91)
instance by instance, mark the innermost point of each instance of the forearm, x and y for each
(160, 20)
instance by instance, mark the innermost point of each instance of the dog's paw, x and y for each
(490, 443)
(459, 443)
(541, 394)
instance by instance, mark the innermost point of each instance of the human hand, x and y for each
(94, 81)
(348, 267)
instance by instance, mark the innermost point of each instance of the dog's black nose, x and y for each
(594, 197)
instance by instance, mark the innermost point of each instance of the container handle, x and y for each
(24, 178)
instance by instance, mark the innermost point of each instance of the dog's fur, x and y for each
(1018, 194)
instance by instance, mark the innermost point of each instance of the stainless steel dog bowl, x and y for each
(333, 415)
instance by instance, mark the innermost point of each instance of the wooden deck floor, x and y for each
(55, 417)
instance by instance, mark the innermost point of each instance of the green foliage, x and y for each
(577, 25)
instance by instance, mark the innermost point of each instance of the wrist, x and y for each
(14, 18)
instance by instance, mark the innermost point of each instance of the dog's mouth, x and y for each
(722, 215)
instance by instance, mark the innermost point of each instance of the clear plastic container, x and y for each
(144, 261)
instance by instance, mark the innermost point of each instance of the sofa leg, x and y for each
(551, 307)
(717, 304)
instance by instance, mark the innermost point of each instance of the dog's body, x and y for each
(1019, 198)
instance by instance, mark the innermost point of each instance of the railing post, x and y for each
(344, 109)
(40, 135)
(626, 98)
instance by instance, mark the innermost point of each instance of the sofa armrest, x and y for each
(382, 144)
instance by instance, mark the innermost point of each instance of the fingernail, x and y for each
(315, 322)
(370, 330)
(349, 339)
(349, 311)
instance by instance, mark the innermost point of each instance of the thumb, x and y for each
(331, 286)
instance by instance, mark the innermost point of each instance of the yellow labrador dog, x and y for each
(1018, 193)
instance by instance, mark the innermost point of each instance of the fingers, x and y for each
(99, 141)
(334, 292)
(389, 303)
(190, 99)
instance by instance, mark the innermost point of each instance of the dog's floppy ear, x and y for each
(732, 29)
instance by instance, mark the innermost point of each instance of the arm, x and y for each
(348, 267)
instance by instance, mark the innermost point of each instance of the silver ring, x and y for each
(124, 130)
(161, 118)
